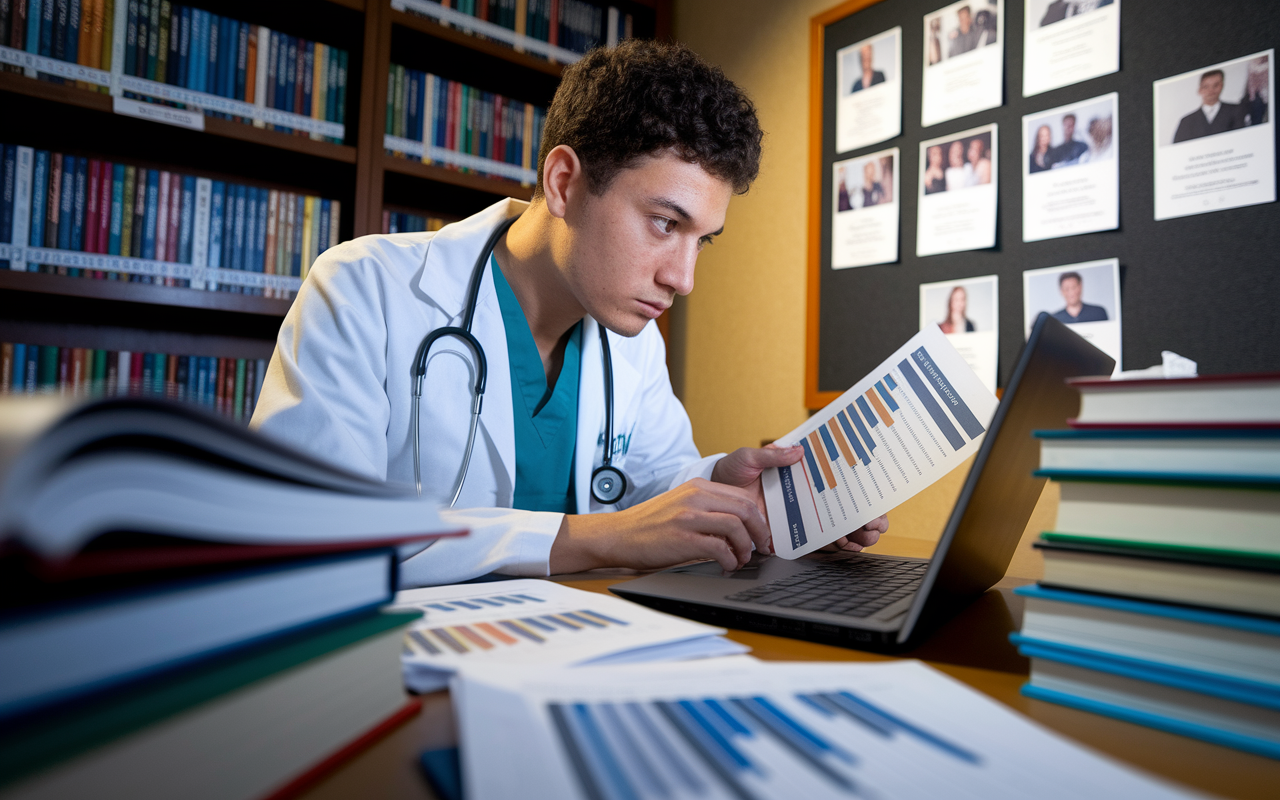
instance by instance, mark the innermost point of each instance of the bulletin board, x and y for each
(1204, 286)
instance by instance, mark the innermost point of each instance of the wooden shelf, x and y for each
(69, 94)
(453, 177)
(490, 48)
(152, 294)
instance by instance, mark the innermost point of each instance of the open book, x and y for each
(135, 484)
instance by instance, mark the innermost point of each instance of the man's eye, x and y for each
(665, 225)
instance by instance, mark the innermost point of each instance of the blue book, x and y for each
(325, 210)
(71, 50)
(242, 60)
(130, 39)
(226, 53)
(331, 96)
(187, 218)
(159, 369)
(32, 372)
(34, 13)
(231, 55)
(201, 379)
(58, 33)
(152, 212)
(48, 12)
(229, 233)
(144, 27)
(117, 209)
(195, 49)
(66, 202)
(78, 205)
(291, 73)
(213, 42)
(184, 45)
(238, 229)
(8, 173)
(296, 269)
(217, 202)
(18, 377)
(308, 52)
(39, 199)
(260, 241)
(200, 60)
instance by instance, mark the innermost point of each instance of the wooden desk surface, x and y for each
(973, 648)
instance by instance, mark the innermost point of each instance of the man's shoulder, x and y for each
(387, 255)
(1092, 313)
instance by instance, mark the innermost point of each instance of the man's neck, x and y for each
(1074, 309)
(527, 255)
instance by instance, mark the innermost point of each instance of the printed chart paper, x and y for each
(1085, 296)
(864, 217)
(1070, 173)
(916, 417)
(869, 91)
(1069, 41)
(538, 622)
(963, 60)
(1215, 137)
(741, 728)
(967, 311)
(957, 191)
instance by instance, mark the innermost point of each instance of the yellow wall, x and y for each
(738, 340)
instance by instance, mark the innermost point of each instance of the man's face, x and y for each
(1068, 128)
(633, 249)
(865, 53)
(1210, 89)
(869, 173)
(975, 151)
(966, 20)
(1070, 289)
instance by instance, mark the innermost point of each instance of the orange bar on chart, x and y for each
(881, 411)
(838, 435)
(479, 640)
(505, 638)
(822, 458)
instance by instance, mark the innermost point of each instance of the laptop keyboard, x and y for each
(857, 587)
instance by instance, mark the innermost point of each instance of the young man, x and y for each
(1071, 285)
(643, 148)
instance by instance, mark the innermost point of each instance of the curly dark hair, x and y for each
(618, 105)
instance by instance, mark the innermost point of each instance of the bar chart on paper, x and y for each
(539, 622)
(750, 729)
(916, 417)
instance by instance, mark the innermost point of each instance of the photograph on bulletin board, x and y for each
(968, 312)
(957, 192)
(1085, 296)
(1214, 137)
(864, 218)
(1069, 41)
(869, 91)
(963, 60)
(1070, 172)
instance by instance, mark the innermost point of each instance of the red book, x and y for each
(498, 140)
(104, 207)
(54, 202)
(554, 37)
(64, 370)
(220, 402)
(171, 378)
(135, 373)
(229, 387)
(77, 372)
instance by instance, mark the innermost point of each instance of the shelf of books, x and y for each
(172, 171)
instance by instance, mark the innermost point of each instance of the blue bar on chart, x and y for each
(831, 445)
(862, 429)
(882, 721)
(884, 393)
(930, 405)
(947, 393)
(888, 379)
(867, 413)
(853, 439)
(813, 466)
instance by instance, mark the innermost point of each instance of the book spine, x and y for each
(242, 60)
(269, 240)
(307, 71)
(331, 96)
(260, 235)
(164, 21)
(106, 178)
(200, 229)
(335, 217)
(308, 220)
(126, 212)
(162, 217)
(91, 212)
(175, 225)
(187, 219)
(299, 269)
(22, 200)
(237, 390)
(8, 170)
(153, 39)
(314, 246)
(151, 215)
(6, 368)
(342, 87)
(182, 75)
(117, 210)
(280, 53)
(319, 85)
(262, 68)
(291, 74)
(217, 212)
(323, 227)
(48, 18)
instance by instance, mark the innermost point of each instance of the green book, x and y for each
(54, 737)
(239, 388)
(398, 120)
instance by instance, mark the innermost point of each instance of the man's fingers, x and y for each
(725, 499)
(772, 456)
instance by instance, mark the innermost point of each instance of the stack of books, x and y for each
(60, 205)
(188, 609)
(1160, 602)
(452, 116)
(572, 25)
(229, 386)
(406, 222)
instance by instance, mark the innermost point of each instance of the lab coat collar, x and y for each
(452, 253)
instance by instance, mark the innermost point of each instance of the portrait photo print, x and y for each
(1214, 137)
(1085, 296)
(1070, 172)
(956, 206)
(967, 311)
(864, 218)
(1068, 41)
(963, 60)
(869, 91)
(959, 163)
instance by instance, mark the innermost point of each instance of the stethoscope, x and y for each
(608, 484)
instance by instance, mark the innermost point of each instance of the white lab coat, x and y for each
(339, 387)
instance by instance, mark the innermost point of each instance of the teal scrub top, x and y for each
(546, 418)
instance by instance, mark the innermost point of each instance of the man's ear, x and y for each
(561, 177)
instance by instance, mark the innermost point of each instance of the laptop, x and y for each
(882, 602)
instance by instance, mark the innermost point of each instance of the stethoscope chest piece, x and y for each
(608, 484)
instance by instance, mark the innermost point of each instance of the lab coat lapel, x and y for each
(589, 450)
(496, 417)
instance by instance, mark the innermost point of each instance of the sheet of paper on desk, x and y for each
(533, 622)
(916, 417)
(751, 729)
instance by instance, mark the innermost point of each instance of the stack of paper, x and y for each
(740, 728)
(532, 622)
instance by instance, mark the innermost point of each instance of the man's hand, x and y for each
(743, 466)
(694, 521)
(865, 536)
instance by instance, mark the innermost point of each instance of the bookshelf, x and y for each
(83, 120)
